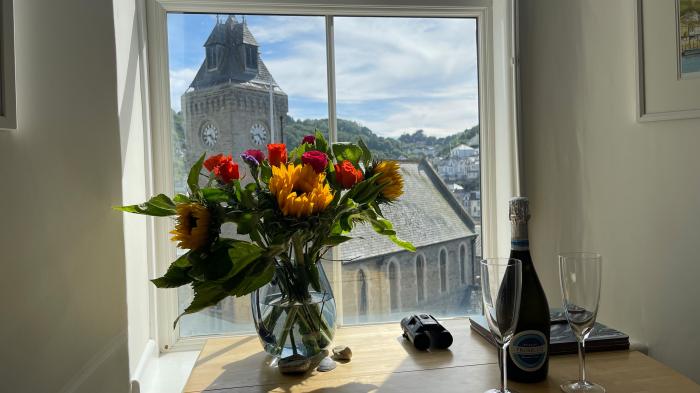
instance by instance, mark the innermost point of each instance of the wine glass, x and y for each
(501, 282)
(580, 275)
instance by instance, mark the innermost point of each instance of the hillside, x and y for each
(408, 146)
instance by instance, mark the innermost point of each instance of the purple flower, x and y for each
(310, 139)
(250, 160)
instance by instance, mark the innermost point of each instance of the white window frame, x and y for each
(499, 180)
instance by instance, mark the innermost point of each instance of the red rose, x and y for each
(213, 161)
(310, 139)
(277, 153)
(227, 171)
(255, 153)
(318, 160)
(347, 175)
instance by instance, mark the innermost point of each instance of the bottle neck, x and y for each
(519, 240)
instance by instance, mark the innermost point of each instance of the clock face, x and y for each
(209, 134)
(258, 133)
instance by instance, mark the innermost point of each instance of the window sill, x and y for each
(166, 373)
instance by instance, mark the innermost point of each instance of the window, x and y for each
(428, 116)
(362, 293)
(443, 270)
(463, 263)
(212, 57)
(393, 287)
(251, 57)
(420, 277)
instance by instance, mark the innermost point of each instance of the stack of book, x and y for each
(562, 340)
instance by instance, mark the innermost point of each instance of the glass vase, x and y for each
(295, 313)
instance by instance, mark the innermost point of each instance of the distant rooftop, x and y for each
(426, 213)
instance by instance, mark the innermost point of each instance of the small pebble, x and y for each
(295, 364)
(342, 353)
(327, 364)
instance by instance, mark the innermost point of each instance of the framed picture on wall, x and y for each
(688, 14)
(668, 59)
(8, 119)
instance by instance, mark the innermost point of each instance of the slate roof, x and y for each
(427, 213)
(232, 35)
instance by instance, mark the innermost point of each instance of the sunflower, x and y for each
(192, 229)
(389, 178)
(299, 190)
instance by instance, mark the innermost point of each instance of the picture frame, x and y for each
(663, 92)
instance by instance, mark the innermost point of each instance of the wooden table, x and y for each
(383, 362)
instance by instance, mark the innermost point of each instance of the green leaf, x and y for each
(366, 153)
(335, 240)
(321, 143)
(245, 222)
(402, 243)
(260, 274)
(159, 206)
(193, 177)
(384, 227)
(181, 198)
(183, 261)
(347, 151)
(265, 173)
(206, 294)
(175, 277)
(215, 195)
(314, 276)
(241, 255)
(210, 265)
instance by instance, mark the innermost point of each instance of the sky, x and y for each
(393, 75)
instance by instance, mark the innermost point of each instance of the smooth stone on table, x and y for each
(294, 364)
(327, 364)
(342, 352)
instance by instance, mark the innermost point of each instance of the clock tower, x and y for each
(233, 103)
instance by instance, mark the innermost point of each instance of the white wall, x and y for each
(63, 283)
(599, 180)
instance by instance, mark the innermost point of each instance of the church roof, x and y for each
(427, 213)
(232, 36)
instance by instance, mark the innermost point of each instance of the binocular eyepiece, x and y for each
(424, 331)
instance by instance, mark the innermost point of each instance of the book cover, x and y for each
(562, 340)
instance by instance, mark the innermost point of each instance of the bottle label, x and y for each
(528, 350)
(520, 244)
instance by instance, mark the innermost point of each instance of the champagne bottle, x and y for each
(528, 352)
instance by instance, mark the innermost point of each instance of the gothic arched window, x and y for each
(420, 277)
(443, 270)
(393, 287)
(463, 263)
(362, 293)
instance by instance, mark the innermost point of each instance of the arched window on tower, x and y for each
(443, 270)
(362, 293)
(463, 263)
(393, 287)
(420, 277)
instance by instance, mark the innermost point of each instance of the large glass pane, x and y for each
(238, 82)
(409, 88)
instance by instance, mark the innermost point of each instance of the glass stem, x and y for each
(582, 359)
(504, 376)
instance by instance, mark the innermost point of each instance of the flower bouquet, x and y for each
(291, 208)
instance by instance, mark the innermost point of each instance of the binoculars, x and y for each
(424, 331)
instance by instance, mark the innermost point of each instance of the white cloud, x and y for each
(180, 80)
